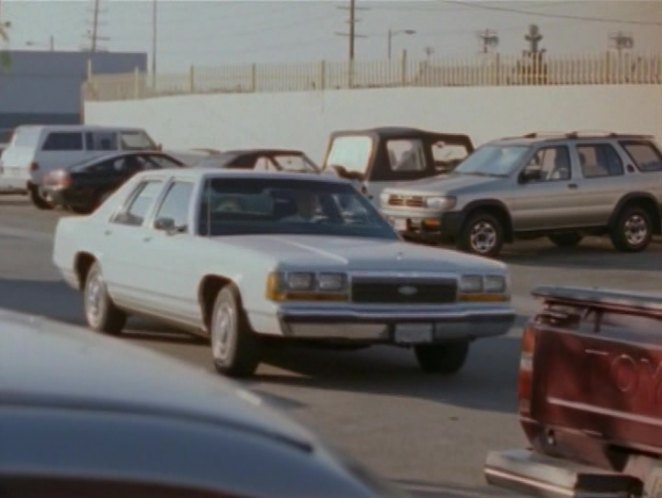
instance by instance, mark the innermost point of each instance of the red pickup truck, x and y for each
(590, 398)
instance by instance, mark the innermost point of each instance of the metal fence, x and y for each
(485, 70)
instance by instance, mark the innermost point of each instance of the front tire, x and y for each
(235, 347)
(100, 312)
(483, 234)
(632, 231)
(38, 200)
(442, 358)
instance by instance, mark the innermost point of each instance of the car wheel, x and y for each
(569, 239)
(100, 311)
(442, 358)
(632, 231)
(38, 200)
(482, 235)
(235, 347)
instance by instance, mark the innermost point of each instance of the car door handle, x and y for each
(572, 185)
(107, 232)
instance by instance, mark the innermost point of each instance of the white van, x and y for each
(35, 150)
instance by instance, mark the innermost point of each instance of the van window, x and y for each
(101, 140)
(136, 140)
(63, 141)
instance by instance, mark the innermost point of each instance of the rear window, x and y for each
(645, 155)
(136, 140)
(63, 141)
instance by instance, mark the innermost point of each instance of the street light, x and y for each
(392, 33)
(51, 43)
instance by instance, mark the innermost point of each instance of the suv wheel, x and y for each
(442, 358)
(38, 200)
(569, 239)
(482, 235)
(632, 231)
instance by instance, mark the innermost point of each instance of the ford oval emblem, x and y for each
(408, 290)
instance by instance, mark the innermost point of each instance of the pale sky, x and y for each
(216, 32)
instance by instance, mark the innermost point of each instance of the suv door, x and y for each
(547, 194)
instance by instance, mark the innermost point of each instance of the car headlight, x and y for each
(383, 199)
(307, 286)
(483, 288)
(440, 203)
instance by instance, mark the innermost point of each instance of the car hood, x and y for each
(358, 254)
(46, 364)
(446, 184)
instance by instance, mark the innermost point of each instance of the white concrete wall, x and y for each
(303, 120)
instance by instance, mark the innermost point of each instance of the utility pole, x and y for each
(154, 43)
(534, 37)
(489, 40)
(352, 27)
(92, 33)
(621, 41)
(95, 26)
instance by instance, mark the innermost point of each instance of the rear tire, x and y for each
(482, 234)
(100, 312)
(235, 347)
(567, 239)
(38, 200)
(442, 358)
(632, 231)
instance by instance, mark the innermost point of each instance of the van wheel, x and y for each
(442, 358)
(632, 231)
(569, 239)
(235, 347)
(483, 234)
(38, 200)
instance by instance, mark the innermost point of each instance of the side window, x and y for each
(101, 140)
(447, 156)
(140, 202)
(175, 205)
(135, 140)
(549, 164)
(63, 141)
(645, 155)
(263, 163)
(159, 162)
(406, 155)
(599, 160)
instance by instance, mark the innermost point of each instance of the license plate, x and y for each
(400, 224)
(413, 333)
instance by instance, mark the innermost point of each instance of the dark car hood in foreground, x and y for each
(43, 363)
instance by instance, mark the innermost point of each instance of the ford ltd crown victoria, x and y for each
(240, 256)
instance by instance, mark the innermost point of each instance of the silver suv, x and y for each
(561, 186)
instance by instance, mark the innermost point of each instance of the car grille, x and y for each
(410, 291)
(409, 201)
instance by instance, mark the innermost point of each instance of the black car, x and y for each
(83, 186)
(290, 160)
(86, 415)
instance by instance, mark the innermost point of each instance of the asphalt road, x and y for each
(428, 433)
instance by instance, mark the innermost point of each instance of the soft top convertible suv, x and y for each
(563, 186)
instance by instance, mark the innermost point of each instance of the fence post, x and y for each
(253, 78)
(323, 75)
(404, 68)
(136, 83)
(191, 79)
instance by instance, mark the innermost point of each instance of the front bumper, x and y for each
(415, 326)
(13, 184)
(425, 227)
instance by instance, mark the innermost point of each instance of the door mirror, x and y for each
(530, 175)
(165, 224)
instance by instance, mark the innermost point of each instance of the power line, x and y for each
(556, 16)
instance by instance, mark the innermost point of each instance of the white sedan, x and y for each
(240, 256)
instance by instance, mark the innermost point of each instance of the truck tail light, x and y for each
(34, 166)
(525, 376)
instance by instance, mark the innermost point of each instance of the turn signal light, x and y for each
(525, 375)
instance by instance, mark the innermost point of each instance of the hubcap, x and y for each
(94, 299)
(222, 331)
(636, 230)
(483, 237)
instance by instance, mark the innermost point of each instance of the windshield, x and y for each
(493, 160)
(295, 163)
(233, 206)
(350, 153)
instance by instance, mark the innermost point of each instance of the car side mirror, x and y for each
(168, 226)
(529, 175)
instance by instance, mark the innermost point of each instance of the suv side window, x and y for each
(63, 141)
(101, 140)
(599, 160)
(406, 155)
(139, 204)
(549, 164)
(644, 154)
(175, 205)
